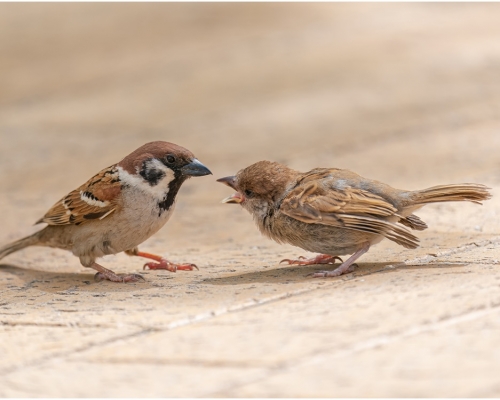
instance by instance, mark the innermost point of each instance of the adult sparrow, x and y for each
(335, 211)
(118, 209)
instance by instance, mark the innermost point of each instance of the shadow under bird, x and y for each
(335, 211)
(118, 209)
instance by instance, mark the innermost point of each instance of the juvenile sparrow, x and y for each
(335, 211)
(118, 209)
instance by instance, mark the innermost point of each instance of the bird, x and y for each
(335, 212)
(118, 209)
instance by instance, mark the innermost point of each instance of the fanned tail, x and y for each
(473, 192)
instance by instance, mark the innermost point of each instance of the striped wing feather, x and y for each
(349, 208)
(95, 199)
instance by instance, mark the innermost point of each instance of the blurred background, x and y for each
(305, 84)
(405, 93)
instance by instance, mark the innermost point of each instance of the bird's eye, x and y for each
(248, 193)
(170, 159)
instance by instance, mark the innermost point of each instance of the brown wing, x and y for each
(318, 203)
(95, 199)
(413, 222)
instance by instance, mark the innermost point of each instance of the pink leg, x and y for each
(319, 259)
(162, 262)
(345, 267)
(107, 274)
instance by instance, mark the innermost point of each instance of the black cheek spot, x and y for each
(151, 175)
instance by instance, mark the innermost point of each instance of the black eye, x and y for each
(248, 193)
(170, 159)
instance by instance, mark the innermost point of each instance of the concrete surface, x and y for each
(405, 93)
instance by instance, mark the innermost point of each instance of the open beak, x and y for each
(235, 198)
(195, 168)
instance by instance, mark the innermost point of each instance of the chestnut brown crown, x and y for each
(170, 154)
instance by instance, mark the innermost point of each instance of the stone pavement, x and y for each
(405, 93)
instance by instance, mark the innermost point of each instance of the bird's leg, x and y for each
(162, 263)
(319, 259)
(345, 267)
(107, 274)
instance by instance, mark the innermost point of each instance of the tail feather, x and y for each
(18, 245)
(457, 192)
(413, 222)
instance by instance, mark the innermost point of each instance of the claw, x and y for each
(147, 266)
(161, 263)
(164, 264)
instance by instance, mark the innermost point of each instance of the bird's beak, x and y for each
(195, 168)
(235, 198)
(229, 181)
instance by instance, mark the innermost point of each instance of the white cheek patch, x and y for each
(135, 180)
(85, 196)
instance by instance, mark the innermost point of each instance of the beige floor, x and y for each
(404, 93)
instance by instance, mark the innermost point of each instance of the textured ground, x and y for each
(404, 93)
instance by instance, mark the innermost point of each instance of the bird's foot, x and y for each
(162, 263)
(336, 272)
(169, 266)
(104, 274)
(347, 266)
(123, 278)
(319, 259)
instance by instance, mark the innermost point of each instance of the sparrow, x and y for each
(335, 211)
(118, 209)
